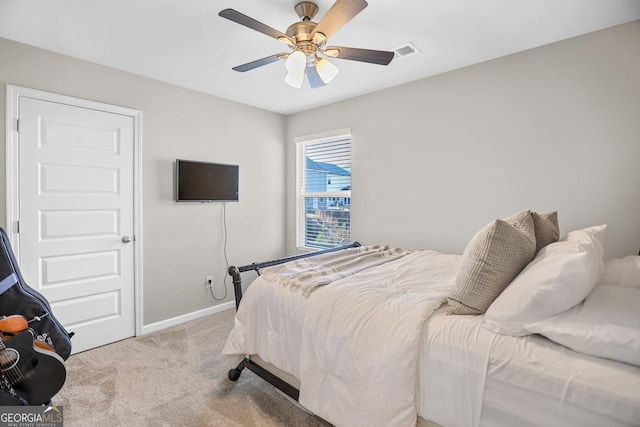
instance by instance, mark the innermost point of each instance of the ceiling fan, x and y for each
(307, 39)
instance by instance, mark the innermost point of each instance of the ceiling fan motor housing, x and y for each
(301, 32)
(306, 10)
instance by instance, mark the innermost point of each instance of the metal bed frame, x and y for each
(234, 272)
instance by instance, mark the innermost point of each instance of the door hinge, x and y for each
(18, 227)
(17, 125)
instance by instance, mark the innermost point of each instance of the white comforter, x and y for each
(353, 344)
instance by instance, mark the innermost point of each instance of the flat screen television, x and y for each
(206, 182)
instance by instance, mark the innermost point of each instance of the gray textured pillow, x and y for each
(521, 223)
(491, 260)
(546, 228)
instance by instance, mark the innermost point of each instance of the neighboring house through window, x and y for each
(323, 190)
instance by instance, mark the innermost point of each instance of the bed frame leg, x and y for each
(234, 374)
(234, 272)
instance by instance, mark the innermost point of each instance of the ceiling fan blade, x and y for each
(381, 57)
(260, 62)
(340, 13)
(239, 18)
(315, 81)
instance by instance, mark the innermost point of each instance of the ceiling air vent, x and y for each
(405, 50)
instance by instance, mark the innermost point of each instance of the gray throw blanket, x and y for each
(307, 274)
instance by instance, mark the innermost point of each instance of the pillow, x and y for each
(599, 232)
(561, 276)
(493, 257)
(522, 224)
(621, 272)
(546, 228)
(606, 324)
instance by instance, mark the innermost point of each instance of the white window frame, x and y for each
(301, 143)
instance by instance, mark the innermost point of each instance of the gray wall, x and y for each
(553, 128)
(182, 242)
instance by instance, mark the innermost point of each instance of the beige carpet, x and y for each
(173, 377)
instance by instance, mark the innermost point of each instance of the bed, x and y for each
(524, 328)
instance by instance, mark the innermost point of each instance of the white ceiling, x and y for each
(186, 43)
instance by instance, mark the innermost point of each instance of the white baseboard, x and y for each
(186, 317)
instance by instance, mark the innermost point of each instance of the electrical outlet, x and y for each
(208, 282)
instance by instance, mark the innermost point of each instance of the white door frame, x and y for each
(11, 174)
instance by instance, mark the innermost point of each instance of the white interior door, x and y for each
(76, 216)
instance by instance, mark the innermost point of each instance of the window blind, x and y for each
(323, 190)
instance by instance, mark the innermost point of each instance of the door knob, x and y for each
(126, 239)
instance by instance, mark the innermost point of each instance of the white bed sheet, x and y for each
(269, 323)
(361, 339)
(530, 381)
(452, 365)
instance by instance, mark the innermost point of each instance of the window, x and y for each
(323, 191)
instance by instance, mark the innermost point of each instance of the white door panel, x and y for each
(60, 180)
(75, 223)
(76, 203)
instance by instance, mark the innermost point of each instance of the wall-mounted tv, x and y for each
(206, 182)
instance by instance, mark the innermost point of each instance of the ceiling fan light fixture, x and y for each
(294, 79)
(326, 70)
(296, 62)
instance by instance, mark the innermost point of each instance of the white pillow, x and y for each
(560, 276)
(597, 231)
(606, 324)
(621, 272)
